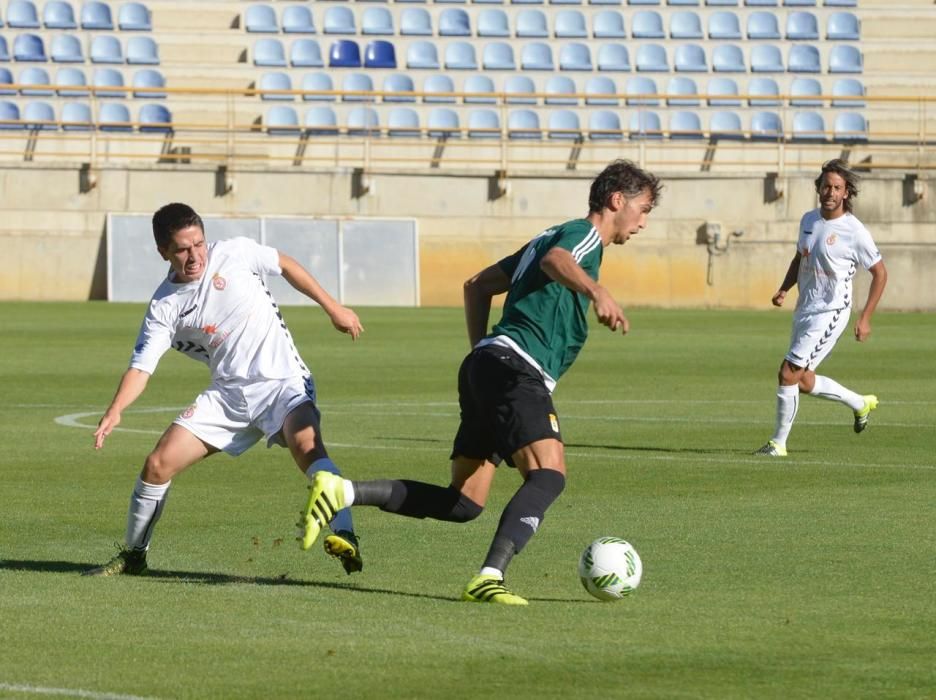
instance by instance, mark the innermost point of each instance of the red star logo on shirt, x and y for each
(210, 329)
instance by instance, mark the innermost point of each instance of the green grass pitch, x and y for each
(806, 577)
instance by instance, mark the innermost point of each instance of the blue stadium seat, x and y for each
(498, 55)
(379, 53)
(722, 93)
(58, 14)
(804, 92)
(724, 25)
(526, 2)
(9, 116)
(845, 59)
(601, 90)
(804, 58)
(843, 26)
(28, 47)
(408, 1)
(114, 116)
(4, 49)
(728, 58)
(808, 126)
(685, 24)
(575, 56)
(275, 81)
(493, 22)
(613, 57)
(564, 125)
(652, 58)
(647, 24)
(641, 85)
(21, 14)
(142, 50)
(536, 55)
(802, 26)
(320, 121)
(344, 53)
(685, 125)
(281, 120)
(34, 75)
(690, 58)
(363, 121)
(762, 25)
(435, 87)
(96, 15)
(297, 19)
(6, 78)
(523, 124)
(560, 90)
(531, 24)
(475, 87)
(766, 126)
(645, 125)
(305, 53)
(415, 21)
(149, 82)
(570, 24)
(608, 24)
(260, 19)
(604, 125)
(317, 82)
(799, 3)
(70, 82)
(37, 115)
(399, 83)
(155, 119)
(841, 3)
(422, 54)
(106, 49)
(267, 52)
(848, 88)
(76, 116)
(604, 2)
(725, 125)
(66, 48)
(483, 124)
(519, 90)
(763, 92)
(403, 122)
(766, 58)
(453, 21)
(850, 126)
(644, 2)
(566, 2)
(460, 55)
(357, 83)
(682, 91)
(443, 123)
(378, 21)
(761, 3)
(108, 78)
(338, 20)
(732, 3)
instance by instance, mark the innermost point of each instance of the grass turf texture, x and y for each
(805, 577)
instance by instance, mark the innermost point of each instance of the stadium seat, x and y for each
(114, 116)
(4, 49)
(808, 126)
(647, 24)
(519, 90)
(275, 81)
(66, 48)
(728, 58)
(566, 2)
(682, 91)
(453, 21)
(317, 82)
(96, 15)
(108, 78)
(690, 58)
(28, 47)
(761, 3)
(6, 79)
(21, 14)
(379, 53)
(608, 24)
(149, 82)
(483, 124)
(320, 121)
(399, 83)
(492, 22)
(848, 88)
(850, 126)
(269, 52)
(37, 115)
(58, 14)
(523, 124)
(803, 58)
(724, 25)
(644, 2)
(613, 57)
(460, 55)
(841, 3)
(377, 21)
(36, 76)
(105, 49)
(645, 125)
(155, 119)
(685, 125)
(297, 19)
(531, 24)
(685, 25)
(357, 83)
(560, 90)
(142, 50)
(845, 59)
(408, 1)
(804, 92)
(422, 54)
(766, 58)
(475, 88)
(570, 24)
(732, 3)
(536, 55)
(799, 3)
(762, 25)
(766, 126)
(604, 2)
(725, 125)
(134, 17)
(260, 19)
(281, 120)
(9, 116)
(305, 53)
(415, 21)
(363, 121)
(339, 20)
(76, 116)
(435, 87)
(682, 2)
(843, 26)
(526, 2)
(601, 90)
(564, 125)
(498, 55)
(604, 125)
(343, 53)
(763, 92)
(802, 26)
(652, 58)
(575, 56)
(641, 85)
(443, 123)
(403, 122)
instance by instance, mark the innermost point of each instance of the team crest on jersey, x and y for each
(554, 422)
(210, 329)
(188, 412)
(831, 239)
(218, 282)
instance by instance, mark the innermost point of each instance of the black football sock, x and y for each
(416, 499)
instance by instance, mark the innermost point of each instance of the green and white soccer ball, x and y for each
(610, 568)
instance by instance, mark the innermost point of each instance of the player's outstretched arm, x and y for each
(878, 282)
(132, 384)
(478, 292)
(788, 281)
(560, 266)
(342, 318)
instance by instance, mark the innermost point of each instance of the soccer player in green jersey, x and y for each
(505, 384)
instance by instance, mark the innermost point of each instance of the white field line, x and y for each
(67, 692)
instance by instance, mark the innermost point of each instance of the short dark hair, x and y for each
(840, 167)
(171, 218)
(622, 176)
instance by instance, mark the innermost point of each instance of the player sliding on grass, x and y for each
(505, 383)
(832, 244)
(214, 307)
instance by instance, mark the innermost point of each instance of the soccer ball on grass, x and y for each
(610, 568)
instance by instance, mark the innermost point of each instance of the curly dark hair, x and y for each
(622, 176)
(171, 218)
(840, 167)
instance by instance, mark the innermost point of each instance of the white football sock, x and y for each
(146, 505)
(830, 389)
(342, 520)
(787, 405)
(491, 571)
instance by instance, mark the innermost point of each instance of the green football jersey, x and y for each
(545, 319)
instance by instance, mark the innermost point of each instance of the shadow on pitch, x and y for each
(655, 448)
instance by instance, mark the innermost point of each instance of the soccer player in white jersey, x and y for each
(832, 244)
(213, 306)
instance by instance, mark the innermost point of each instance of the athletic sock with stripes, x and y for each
(787, 405)
(146, 505)
(342, 521)
(830, 389)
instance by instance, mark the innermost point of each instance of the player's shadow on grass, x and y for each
(654, 448)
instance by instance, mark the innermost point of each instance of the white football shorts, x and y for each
(233, 417)
(814, 336)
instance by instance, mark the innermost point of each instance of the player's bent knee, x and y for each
(465, 510)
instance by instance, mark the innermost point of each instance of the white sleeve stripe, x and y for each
(588, 244)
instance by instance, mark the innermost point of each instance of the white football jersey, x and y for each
(830, 253)
(227, 318)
